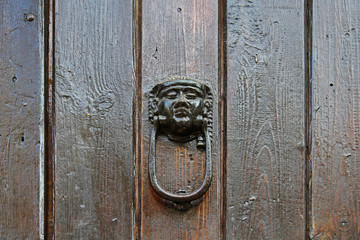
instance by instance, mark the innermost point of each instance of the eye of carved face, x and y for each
(187, 92)
(171, 95)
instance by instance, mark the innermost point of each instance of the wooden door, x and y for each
(83, 119)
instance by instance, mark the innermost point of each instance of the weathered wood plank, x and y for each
(179, 38)
(20, 74)
(265, 133)
(336, 103)
(94, 161)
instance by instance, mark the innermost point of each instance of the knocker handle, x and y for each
(179, 198)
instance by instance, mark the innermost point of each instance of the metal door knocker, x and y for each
(181, 108)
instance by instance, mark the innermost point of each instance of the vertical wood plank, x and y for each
(20, 78)
(94, 156)
(265, 132)
(179, 38)
(336, 117)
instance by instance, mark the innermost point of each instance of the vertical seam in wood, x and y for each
(308, 113)
(41, 22)
(223, 114)
(137, 103)
(49, 118)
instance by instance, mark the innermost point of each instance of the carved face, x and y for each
(182, 107)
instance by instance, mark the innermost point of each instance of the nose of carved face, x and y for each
(181, 108)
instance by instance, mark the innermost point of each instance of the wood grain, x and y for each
(20, 73)
(94, 168)
(336, 103)
(179, 38)
(265, 131)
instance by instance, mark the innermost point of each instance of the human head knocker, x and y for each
(181, 107)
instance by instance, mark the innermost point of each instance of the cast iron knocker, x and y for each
(181, 108)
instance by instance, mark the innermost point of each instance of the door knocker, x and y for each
(181, 108)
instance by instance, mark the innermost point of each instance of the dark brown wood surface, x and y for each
(179, 38)
(336, 103)
(94, 168)
(75, 78)
(265, 124)
(20, 74)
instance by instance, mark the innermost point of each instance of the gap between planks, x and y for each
(223, 114)
(137, 103)
(308, 111)
(49, 120)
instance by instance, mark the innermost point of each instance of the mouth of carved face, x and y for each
(181, 112)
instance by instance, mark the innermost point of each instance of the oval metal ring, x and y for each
(179, 198)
